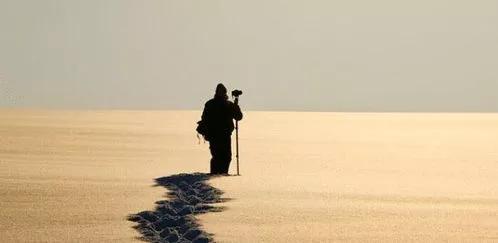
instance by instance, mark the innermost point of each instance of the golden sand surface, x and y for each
(73, 176)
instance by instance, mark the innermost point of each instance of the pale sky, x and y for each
(354, 55)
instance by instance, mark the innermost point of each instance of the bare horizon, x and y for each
(424, 56)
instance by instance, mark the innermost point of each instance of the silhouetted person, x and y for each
(218, 116)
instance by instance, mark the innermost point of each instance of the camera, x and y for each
(236, 93)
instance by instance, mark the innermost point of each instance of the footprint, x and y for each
(174, 219)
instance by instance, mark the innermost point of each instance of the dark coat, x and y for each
(218, 115)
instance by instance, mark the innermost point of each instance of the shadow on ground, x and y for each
(174, 220)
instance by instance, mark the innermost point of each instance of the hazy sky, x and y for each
(354, 55)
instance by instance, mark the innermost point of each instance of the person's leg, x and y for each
(213, 169)
(220, 148)
(226, 154)
(215, 156)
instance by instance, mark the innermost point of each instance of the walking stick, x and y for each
(237, 144)
(237, 139)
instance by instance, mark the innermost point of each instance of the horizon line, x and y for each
(119, 109)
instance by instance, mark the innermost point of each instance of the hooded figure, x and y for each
(218, 116)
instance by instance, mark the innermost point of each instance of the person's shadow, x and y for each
(174, 220)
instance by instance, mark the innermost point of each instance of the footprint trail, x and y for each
(174, 219)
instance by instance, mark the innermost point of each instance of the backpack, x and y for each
(202, 129)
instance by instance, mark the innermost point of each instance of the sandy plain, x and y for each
(75, 176)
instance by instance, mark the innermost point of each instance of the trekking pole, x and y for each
(237, 144)
(237, 139)
(236, 94)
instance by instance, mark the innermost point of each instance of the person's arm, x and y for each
(205, 113)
